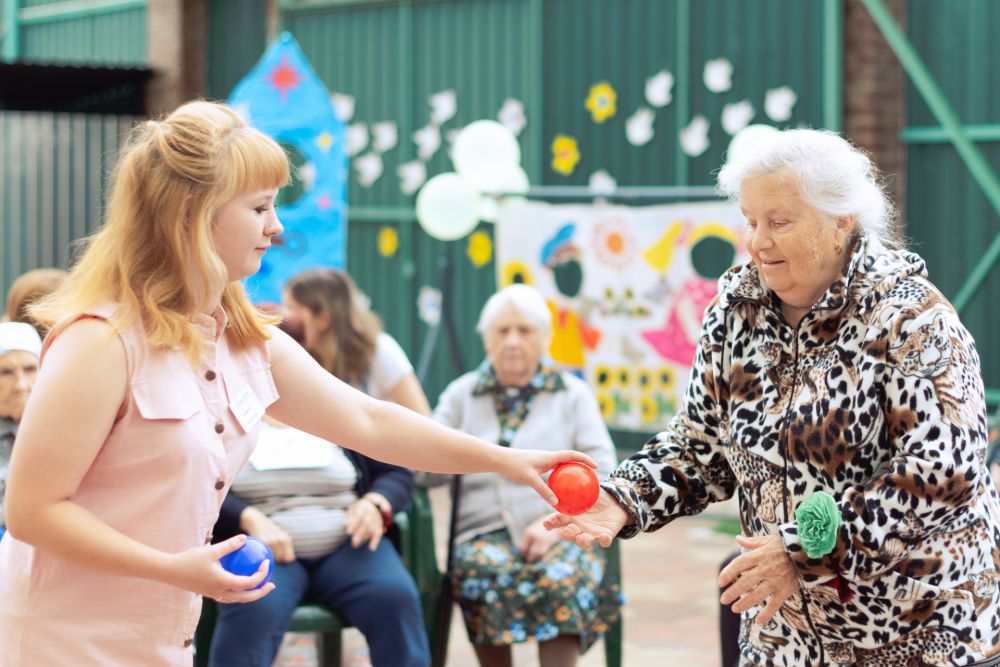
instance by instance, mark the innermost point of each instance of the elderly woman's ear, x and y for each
(846, 230)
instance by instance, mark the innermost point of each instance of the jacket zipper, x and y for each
(784, 481)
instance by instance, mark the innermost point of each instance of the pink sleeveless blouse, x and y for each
(159, 478)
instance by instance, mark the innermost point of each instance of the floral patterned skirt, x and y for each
(505, 600)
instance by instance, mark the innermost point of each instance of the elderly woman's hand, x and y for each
(364, 524)
(764, 572)
(536, 542)
(601, 524)
(525, 466)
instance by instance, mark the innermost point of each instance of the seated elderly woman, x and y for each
(20, 348)
(514, 579)
(837, 390)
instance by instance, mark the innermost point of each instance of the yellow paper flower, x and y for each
(388, 242)
(565, 154)
(601, 101)
(479, 249)
(516, 271)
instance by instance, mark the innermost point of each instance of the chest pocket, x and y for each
(167, 398)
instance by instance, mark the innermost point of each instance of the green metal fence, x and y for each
(91, 32)
(391, 56)
(52, 177)
(953, 194)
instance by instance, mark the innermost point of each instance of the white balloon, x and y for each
(448, 207)
(510, 181)
(747, 138)
(483, 151)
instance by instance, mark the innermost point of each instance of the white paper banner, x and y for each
(627, 287)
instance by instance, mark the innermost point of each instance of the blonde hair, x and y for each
(154, 254)
(30, 287)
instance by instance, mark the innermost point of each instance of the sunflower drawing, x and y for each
(388, 242)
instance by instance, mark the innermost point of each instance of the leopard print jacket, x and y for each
(875, 397)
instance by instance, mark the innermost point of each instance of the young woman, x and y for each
(151, 390)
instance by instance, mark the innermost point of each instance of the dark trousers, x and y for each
(729, 626)
(372, 589)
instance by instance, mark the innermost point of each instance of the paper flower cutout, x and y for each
(718, 75)
(343, 106)
(411, 176)
(736, 116)
(694, 137)
(659, 88)
(443, 106)
(357, 138)
(602, 183)
(601, 101)
(428, 141)
(819, 520)
(384, 136)
(639, 126)
(369, 168)
(388, 242)
(512, 115)
(479, 249)
(778, 103)
(429, 305)
(565, 154)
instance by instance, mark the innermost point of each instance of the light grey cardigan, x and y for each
(566, 419)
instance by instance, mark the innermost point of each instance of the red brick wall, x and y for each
(874, 93)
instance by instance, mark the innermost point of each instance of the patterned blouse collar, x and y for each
(545, 379)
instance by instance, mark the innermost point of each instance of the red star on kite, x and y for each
(284, 77)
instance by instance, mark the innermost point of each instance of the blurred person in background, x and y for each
(514, 579)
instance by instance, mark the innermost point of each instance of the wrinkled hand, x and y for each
(764, 572)
(259, 525)
(198, 570)
(525, 466)
(537, 540)
(364, 524)
(601, 524)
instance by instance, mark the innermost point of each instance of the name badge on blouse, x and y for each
(247, 408)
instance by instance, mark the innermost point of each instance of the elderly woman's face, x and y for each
(514, 346)
(17, 376)
(797, 249)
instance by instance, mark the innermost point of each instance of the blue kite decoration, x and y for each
(283, 97)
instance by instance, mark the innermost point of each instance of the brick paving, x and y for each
(670, 613)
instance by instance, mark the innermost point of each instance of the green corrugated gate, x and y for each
(391, 56)
(949, 219)
(52, 177)
(109, 32)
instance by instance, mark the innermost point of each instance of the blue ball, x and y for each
(246, 560)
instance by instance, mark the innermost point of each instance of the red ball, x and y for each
(575, 485)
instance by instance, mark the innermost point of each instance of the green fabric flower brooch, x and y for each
(819, 521)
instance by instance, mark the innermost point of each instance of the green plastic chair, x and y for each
(416, 528)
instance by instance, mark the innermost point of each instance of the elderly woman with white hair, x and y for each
(836, 389)
(514, 579)
(20, 348)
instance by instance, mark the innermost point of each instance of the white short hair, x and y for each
(525, 299)
(833, 176)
